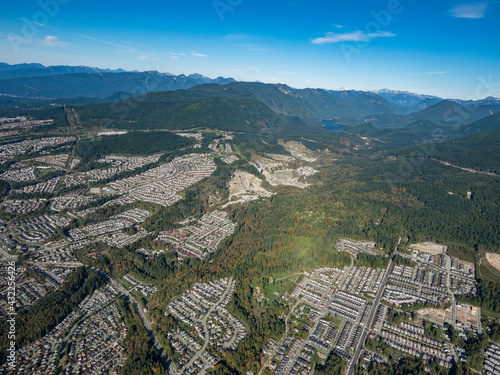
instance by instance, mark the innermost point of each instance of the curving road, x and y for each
(128, 297)
(4, 254)
(207, 332)
(278, 345)
(140, 312)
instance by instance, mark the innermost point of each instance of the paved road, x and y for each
(369, 321)
(479, 327)
(347, 272)
(207, 332)
(287, 277)
(278, 345)
(448, 284)
(6, 255)
(140, 312)
(465, 169)
(127, 295)
(58, 264)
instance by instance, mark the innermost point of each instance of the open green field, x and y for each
(45, 171)
(279, 285)
(488, 272)
(125, 284)
(336, 322)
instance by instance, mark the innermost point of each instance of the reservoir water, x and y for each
(331, 125)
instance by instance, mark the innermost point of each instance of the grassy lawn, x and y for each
(490, 314)
(43, 172)
(139, 298)
(237, 151)
(126, 284)
(279, 287)
(369, 296)
(336, 322)
(294, 285)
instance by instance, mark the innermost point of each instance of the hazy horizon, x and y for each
(442, 48)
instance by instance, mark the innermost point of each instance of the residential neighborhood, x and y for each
(103, 329)
(202, 237)
(213, 327)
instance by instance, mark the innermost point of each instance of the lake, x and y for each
(331, 125)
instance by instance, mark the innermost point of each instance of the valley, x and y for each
(220, 229)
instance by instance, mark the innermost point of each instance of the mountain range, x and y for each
(155, 100)
(38, 70)
(408, 99)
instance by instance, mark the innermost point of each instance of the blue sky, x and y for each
(440, 47)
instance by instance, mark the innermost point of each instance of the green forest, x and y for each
(48, 312)
(143, 357)
(133, 143)
(369, 190)
(472, 151)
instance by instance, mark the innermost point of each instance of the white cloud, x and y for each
(176, 55)
(125, 48)
(198, 54)
(14, 39)
(52, 41)
(472, 11)
(49, 40)
(148, 56)
(354, 36)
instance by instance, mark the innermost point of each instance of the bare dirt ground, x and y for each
(279, 172)
(299, 151)
(279, 157)
(284, 177)
(245, 187)
(436, 315)
(466, 314)
(494, 260)
(288, 170)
